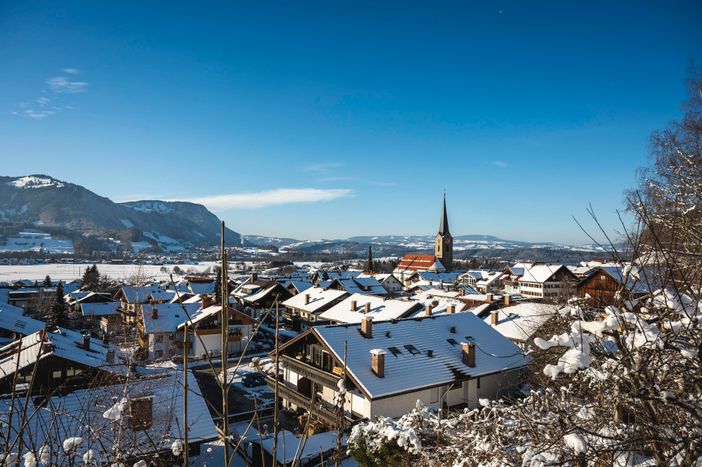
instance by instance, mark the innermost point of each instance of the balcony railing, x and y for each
(308, 371)
(319, 409)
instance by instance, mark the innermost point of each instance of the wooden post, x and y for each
(275, 389)
(225, 328)
(185, 395)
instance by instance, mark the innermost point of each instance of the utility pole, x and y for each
(185, 395)
(275, 390)
(224, 353)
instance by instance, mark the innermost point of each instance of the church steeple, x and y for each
(443, 226)
(443, 242)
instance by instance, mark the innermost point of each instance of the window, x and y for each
(452, 341)
(158, 338)
(56, 374)
(412, 349)
(170, 337)
(158, 354)
(395, 351)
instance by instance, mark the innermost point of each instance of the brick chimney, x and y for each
(307, 299)
(507, 299)
(378, 362)
(488, 297)
(451, 309)
(461, 292)
(154, 312)
(427, 309)
(206, 301)
(353, 305)
(86, 341)
(253, 276)
(366, 307)
(367, 326)
(494, 319)
(141, 413)
(468, 354)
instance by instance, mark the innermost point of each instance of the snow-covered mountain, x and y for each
(42, 203)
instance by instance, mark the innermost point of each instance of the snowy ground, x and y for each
(68, 272)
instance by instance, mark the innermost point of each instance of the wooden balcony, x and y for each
(320, 409)
(309, 371)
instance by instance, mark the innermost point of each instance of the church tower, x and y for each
(443, 243)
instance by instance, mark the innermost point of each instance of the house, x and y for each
(132, 297)
(353, 308)
(65, 360)
(512, 274)
(103, 315)
(204, 335)
(158, 325)
(605, 284)
(141, 418)
(75, 299)
(519, 323)
(304, 309)
(255, 296)
(444, 361)
(547, 281)
(295, 286)
(484, 281)
(388, 281)
(15, 325)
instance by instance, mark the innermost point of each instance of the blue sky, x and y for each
(332, 119)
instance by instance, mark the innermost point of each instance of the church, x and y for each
(441, 260)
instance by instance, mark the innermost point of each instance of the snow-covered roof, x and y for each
(63, 344)
(163, 296)
(540, 272)
(638, 280)
(288, 446)
(93, 414)
(99, 308)
(300, 285)
(362, 285)
(12, 319)
(408, 363)
(380, 309)
(169, 316)
(520, 322)
(319, 298)
(134, 294)
(446, 277)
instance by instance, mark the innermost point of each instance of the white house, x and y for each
(548, 281)
(308, 305)
(520, 322)
(204, 333)
(445, 361)
(158, 325)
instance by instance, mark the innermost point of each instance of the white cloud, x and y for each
(63, 84)
(264, 199)
(70, 71)
(322, 167)
(42, 101)
(500, 164)
(36, 114)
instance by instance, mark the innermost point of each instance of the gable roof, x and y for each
(63, 344)
(380, 309)
(362, 285)
(411, 368)
(417, 262)
(319, 299)
(169, 316)
(12, 319)
(520, 322)
(540, 273)
(81, 414)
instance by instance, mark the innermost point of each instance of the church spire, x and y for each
(443, 226)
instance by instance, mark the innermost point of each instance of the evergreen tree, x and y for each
(369, 262)
(47, 281)
(91, 279)
(58, 314)
(218, 285)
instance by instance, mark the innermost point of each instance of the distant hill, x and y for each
(42, 203)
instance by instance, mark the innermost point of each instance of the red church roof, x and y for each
(415, 262)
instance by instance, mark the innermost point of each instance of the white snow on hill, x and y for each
(32, 181)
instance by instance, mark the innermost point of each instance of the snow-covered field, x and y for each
(68, 272)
